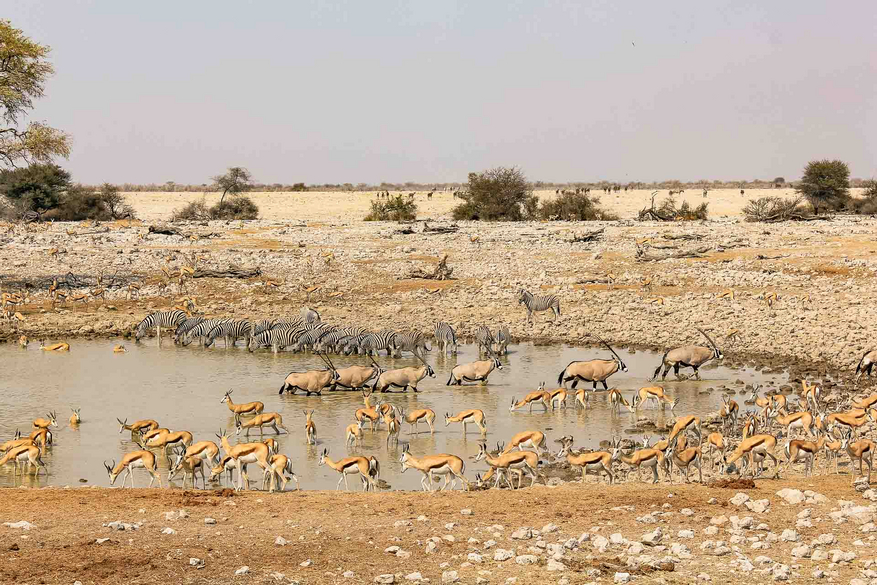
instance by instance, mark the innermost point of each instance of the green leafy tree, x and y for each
(38, 186)
(499, 194)
(825, 184)
(24, 70)
(236, 181)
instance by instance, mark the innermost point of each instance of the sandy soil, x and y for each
(350, 532)
(316, 206)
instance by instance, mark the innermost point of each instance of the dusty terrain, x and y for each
(346, 538)
(822, 273)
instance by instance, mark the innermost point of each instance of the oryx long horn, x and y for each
(609, 347)
(331, 365)
(708, 338)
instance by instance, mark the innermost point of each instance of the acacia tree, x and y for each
(23, 74)
(825, 184)
(236, 181)
(499, 194)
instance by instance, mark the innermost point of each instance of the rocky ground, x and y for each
(821, 272)
(799, 530)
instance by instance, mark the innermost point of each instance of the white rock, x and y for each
(827, 538)
(526, 559)
(280, 541)
(306, 563)
(745, 566)
(686, 512)
(475, 558)
(685, 534)
(466, 512)
(243, 570)
(399, 524)
(430, 547)
(622, 578)
(450, 577)
(819, 555)
(277, 576)
(21, 524)
(805, 513)
(802, 552)
(789, 535)
(522, 534)
(601, 543)
(653, 538)
(781, 572)
(549, 528)
(489, 544)
(348, 574)
(502, 554)
(554, 565)
(704, 577)
(414, 577)
(739, 499)
(385, 579)
(711, 530)
(209, 521)
(758, 506)
(791, 496)
(168, 531)
(617, 538)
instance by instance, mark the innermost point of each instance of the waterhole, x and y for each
(182, 389)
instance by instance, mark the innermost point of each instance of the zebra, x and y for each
(309, 315)
(445, 336)
(537, 304)
(352, 344)
(202, 330)
(158, 320)
(276, 339)
(310, 339)
(262, 326)
(501, 343)
(485, 339)
(332, 341)
(410, 341)
(231, 331)
(375, 342)
(185, 327)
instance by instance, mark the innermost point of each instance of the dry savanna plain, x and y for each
(794, 296)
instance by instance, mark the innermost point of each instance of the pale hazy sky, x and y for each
(430, 90)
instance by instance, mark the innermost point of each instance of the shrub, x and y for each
(575, 206)
(396, 208)
(669, 212)
(235, 207)
(867, 204)
(192, 211)
(81, 202)
(826, 184)
(499, 194)
(775, 209)
(39, 186)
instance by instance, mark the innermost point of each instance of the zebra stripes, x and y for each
(374, 343)
(502, 339)
(485, 339)
(445, 336)
(158, 320)
(231, 331)
(539, 303)
(185, 327)
(410, 341)
(202, 330)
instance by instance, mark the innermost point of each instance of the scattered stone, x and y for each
(686, 512)
(466, 512)
(280, 541)
(475, 558)
(704, 577)
(450, 577)
(348, 574)
(168, 531)
(242, 571)
(549, 529)
(197, 563)
(399, 524)
(781, 572)
(653, 538)
(758, 506)
(554, 565)
(307, 563)
(791, 496)
(102, 540)
(21, 524)
(210, 521)
(802, 552)
(385, 579)
(622, 578)
(526, 559)
(685, 534)
(503, 555)
(522, 534)
(739, 499)
(600, 543)
(789, 535)
(430, 547)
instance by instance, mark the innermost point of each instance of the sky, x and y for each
(428, 91)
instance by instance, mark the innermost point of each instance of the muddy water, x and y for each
(182, 389)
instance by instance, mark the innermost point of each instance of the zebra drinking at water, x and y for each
(445, 336)
(373, 343)
(231, 331)
(485, 339)
(501, 343)
(410, 341)
(539, 303)
(158, 320)
(202, 330)
(185, 327)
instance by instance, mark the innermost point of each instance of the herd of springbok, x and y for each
(797, 428)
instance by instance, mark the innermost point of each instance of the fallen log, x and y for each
(642, 256)
(441, 271)
(588, 237)
(165, 230)
(232, 272)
